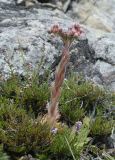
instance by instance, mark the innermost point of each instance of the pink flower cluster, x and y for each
(73, 32)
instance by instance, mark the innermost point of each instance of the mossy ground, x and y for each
(22, 108)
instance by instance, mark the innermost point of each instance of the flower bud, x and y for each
(78, 125)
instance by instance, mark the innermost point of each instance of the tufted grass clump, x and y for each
(20, 133)
(29, 93)
(24, 131)
(3, 155)
(80, 98)
(101, 126)
(69, 144)
(35, 98)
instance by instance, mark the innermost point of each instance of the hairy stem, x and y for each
(53, 110)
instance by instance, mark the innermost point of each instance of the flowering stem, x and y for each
(67, 38)
(56, 85)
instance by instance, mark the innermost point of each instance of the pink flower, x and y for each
(72, 32)
(75, 30)
(55, 29)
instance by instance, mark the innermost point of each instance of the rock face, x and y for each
(24, 42)
(105, 59)
(24, 37)
(98, 14)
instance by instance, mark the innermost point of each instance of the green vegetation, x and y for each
(3, 156)
(24, 131)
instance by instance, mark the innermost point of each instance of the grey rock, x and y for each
(24, 37)
(98, 14)
(25, 41)
(105, 59)
(104, 48)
